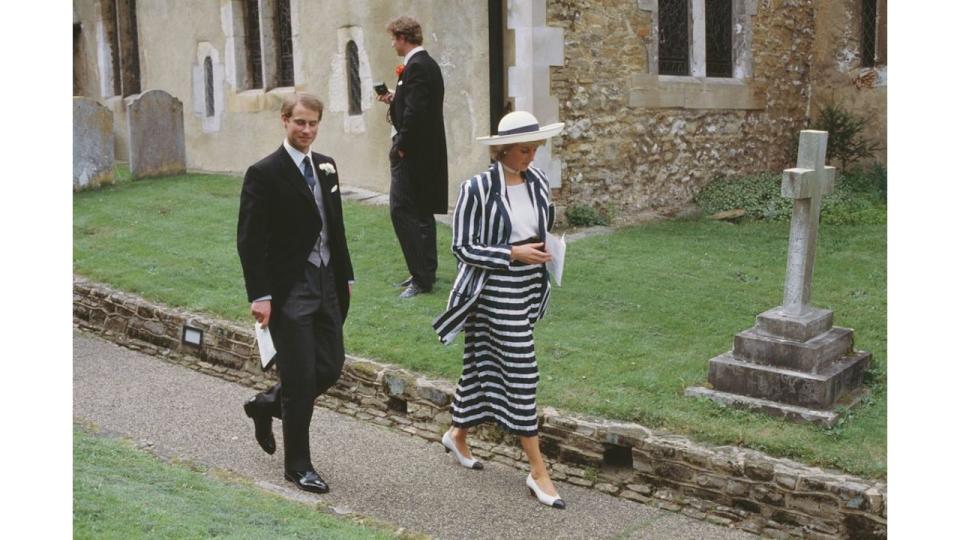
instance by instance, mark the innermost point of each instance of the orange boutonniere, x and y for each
(399, 70)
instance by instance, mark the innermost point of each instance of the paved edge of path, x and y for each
(374, 471)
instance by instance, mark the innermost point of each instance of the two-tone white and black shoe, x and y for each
(549, 500)
(450, 446)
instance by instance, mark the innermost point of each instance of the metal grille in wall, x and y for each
(674, 38)
(285, 44)
(208, 83)
(868, 39)
(251, 30)
(719, 38)
(353, 77)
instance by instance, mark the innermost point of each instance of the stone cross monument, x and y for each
(805, 184)
(794, 363)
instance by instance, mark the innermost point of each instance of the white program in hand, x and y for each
(265, 343)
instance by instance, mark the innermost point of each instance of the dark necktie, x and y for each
(320, 253)
(308, 174)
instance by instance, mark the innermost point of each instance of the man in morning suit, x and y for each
(297, 270)
(418, 156)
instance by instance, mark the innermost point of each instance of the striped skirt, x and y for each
(499, 380)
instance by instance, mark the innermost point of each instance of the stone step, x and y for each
(815, 390)
(811, 356)
(798, 327)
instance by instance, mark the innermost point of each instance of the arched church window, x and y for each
(353, 77)
(208, 84)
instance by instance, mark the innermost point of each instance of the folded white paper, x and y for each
(557, 248)
(265, 343)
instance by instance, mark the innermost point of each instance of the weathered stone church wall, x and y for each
(175, 37)
(634, 143)
(838, 75)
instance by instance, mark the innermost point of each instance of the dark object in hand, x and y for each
(380, 89)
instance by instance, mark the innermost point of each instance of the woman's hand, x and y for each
(530, 253)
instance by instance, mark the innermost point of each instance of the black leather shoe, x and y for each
(404, 284)
(262, 426)
(308, 481)
(412, 290)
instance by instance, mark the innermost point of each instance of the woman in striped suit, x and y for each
(501, 290)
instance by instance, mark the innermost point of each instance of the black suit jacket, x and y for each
(279, 223)
(417, 115)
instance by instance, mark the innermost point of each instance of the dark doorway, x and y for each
(498, 71)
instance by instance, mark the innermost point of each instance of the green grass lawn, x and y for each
(121, 492)
(639, 316)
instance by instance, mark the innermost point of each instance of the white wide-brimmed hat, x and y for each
(520, 127)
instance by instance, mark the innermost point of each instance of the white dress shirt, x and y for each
(411, 52)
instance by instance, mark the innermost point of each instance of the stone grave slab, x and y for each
(93, 158)
(155, 134)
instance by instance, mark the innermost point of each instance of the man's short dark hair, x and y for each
(408, 28)
(309, 101)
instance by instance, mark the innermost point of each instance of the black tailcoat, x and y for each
(417, 115)
(279, 223)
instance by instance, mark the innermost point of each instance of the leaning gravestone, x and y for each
(155, 130)
(794, 363)
(93, 157)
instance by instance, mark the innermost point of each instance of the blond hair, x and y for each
(309, 101)
(497, 151)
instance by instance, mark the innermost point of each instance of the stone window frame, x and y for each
(244, 98)
(353, 78)
(697, 91)
(209, 123)
(338, 86)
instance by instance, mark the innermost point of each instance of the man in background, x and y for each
(418, 156)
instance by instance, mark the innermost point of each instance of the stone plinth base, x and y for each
(796, 366)
(792, 387)
(789, 412)
(801, 327)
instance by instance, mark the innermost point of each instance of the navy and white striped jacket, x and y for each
(481, 242)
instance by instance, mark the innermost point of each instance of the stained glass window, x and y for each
(353, 77)
(284, 43)
(208, 83)
(674, 38)
(719, 29)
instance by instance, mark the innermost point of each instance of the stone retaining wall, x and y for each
(724, 485)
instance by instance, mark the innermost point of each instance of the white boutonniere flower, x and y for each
(326, 168)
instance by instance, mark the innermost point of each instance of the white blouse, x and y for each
(523, 216)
